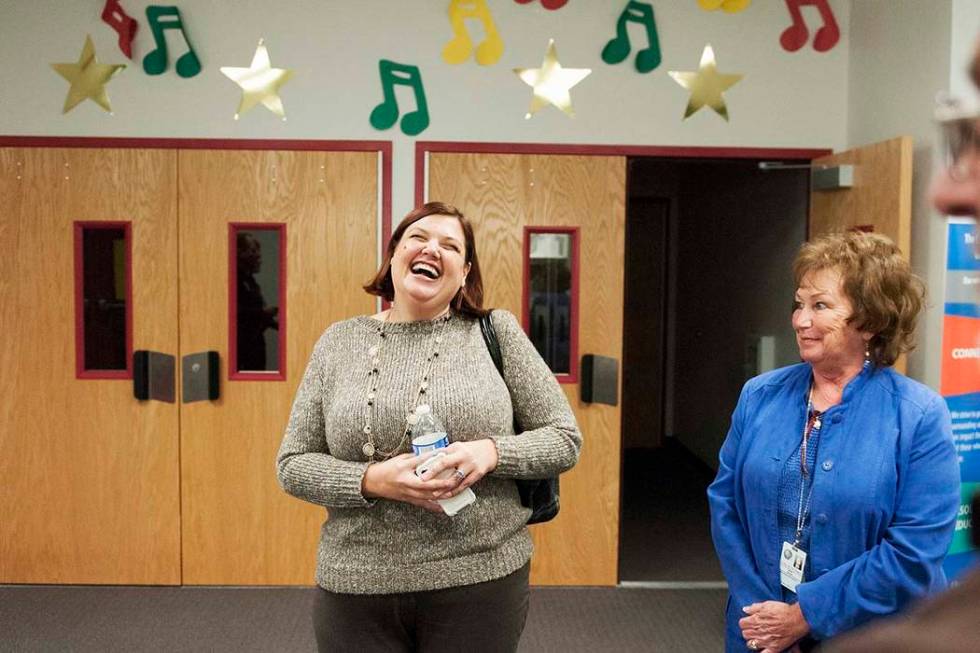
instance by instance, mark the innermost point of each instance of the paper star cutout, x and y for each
(88, 78)
(706, 85)
(551, 82)
(260, 83)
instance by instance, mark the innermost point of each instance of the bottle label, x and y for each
(429, 442)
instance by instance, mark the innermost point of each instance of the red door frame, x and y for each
(96, 142)
(667, 151)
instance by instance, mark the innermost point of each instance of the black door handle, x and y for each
(200, 378)
(600, 380)
(153, 376)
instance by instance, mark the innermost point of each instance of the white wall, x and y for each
(899, 61)
(785, 100)
(965, 23)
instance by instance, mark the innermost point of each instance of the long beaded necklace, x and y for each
(369, 448)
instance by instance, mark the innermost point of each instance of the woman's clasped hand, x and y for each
(396, 478)
(772, 626)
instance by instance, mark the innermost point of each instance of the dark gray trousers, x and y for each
(482, 618)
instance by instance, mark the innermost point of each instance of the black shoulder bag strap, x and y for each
(490, 336)
(540, 495)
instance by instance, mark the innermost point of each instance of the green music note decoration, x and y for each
(619, 47)
(386, 114)
(162, 19)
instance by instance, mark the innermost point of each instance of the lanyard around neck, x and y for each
(803, 510)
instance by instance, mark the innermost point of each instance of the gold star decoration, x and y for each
(551, 82)
(88, 78)
(706, 85)
(260, 83)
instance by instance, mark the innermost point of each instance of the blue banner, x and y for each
(961, 381)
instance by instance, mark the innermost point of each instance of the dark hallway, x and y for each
(709, 246)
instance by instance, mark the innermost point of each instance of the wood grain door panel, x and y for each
(239, 526)
(90, 475)
(880, 199)
(501, 194)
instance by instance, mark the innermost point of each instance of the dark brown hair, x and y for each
(877, 279)
(469, 299)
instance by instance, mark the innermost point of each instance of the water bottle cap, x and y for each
(423, 409)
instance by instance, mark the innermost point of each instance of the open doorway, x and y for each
(709, 245)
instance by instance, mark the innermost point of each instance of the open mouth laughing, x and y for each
(426, 269)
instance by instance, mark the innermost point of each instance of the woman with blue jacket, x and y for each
(838, 483)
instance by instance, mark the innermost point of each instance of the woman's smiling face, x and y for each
(429, 265)
(821, 315)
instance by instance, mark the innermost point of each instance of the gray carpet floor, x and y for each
(134, 619)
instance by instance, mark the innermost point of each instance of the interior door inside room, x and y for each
(275, 246)
(88, 269)
(248, 254)
(708, 292)
(549, 230)
(879, 200)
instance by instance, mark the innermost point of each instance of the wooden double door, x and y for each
(101, 488)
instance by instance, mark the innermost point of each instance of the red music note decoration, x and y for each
(547, 4)
(116, 17)
(796, 35)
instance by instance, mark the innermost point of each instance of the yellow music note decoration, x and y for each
(728, 6)
(458, 50)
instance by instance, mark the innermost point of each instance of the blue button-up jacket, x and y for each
(883, 508)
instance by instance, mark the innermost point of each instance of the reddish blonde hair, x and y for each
(886, 295)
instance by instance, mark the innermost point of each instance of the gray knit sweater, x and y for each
(382, 546)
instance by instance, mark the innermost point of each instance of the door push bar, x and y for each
(154, 376)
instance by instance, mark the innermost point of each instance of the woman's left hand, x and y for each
(472, 460)
(773, 626)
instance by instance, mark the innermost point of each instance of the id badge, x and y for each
(792, 562)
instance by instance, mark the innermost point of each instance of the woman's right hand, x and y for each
(395, 479)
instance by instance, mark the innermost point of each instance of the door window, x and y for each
(257, 295)
(551, 297)
(103, 300)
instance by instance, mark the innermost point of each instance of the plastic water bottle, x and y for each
(428, 434)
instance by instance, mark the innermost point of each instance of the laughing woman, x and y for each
(838, 484)
(395, 572)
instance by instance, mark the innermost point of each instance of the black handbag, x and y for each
(538, 494)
